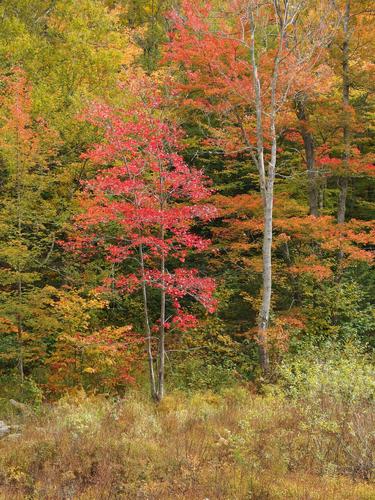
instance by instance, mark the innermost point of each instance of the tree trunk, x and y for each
(266, 178)
(312, 177)
(264, 315)
(20, 334)
(343, 195)
(19, 270)
(308, 142)
(147, 328)
(161, 352)
(343, 180)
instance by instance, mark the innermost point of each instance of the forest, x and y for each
(187, 204)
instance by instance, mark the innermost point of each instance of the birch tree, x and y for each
(243, 59)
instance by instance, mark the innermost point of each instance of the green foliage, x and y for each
(207, 358)
(149, 17)
(26, 392)
(197, 374)
(336, 311)
(344, 374)
(334, 390)
(56, 56)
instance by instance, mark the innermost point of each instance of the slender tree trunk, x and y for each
(321, 195)
(312, 177)
(20, 334)
(266, 174)
(147, 328)
(19, 278)
(264, 312)
(343, 180)
(162, 333)
(308, 142)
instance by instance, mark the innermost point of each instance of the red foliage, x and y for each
(150, 198)
(314, 241)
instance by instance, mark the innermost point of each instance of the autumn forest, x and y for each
(187, 205)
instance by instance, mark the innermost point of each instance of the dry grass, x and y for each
(233, 446)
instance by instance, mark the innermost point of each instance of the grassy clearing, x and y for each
(236, 445)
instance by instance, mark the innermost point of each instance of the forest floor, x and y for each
(236, 445)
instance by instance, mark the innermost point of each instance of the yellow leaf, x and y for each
(89, 370)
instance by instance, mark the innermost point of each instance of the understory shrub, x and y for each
(334, 391)
(199, 374)
(26, 393)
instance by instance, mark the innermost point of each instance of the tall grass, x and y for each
(236, 445)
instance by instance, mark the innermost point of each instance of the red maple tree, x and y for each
(141, 207)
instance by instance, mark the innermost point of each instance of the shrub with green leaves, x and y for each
(337, 312)
(335, 393)
(26, 392)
